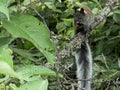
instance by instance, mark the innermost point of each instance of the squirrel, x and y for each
(83, 19)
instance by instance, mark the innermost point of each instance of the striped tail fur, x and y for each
(84, 66)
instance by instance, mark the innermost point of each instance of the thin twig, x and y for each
(30, 4)
(42, 19)
(60, 38)
(116, 37)
(57, 66)
(85, 79)
(105, 62)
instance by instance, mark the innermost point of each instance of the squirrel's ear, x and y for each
(78, 9)
(82, 10)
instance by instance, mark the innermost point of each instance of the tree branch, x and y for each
(106, 10)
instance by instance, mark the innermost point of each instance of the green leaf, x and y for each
(6, 62)
(35, 85)
(30, 70)
(3, 8)
(14, 87)
(4, 40)
(50, 5)
(30, 28)
(6, 69)
(5, 55)
(116, 11)
(2, 86)
(116, 18)
(4, 78)
(98, 3)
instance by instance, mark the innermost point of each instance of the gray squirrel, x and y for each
(83, 19)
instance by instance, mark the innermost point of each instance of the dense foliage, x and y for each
(27, 53)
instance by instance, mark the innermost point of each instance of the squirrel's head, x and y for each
(82, 14)
(82, 18)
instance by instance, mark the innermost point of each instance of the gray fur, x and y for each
(84, 67)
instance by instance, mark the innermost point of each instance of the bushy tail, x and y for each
(84, 66)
